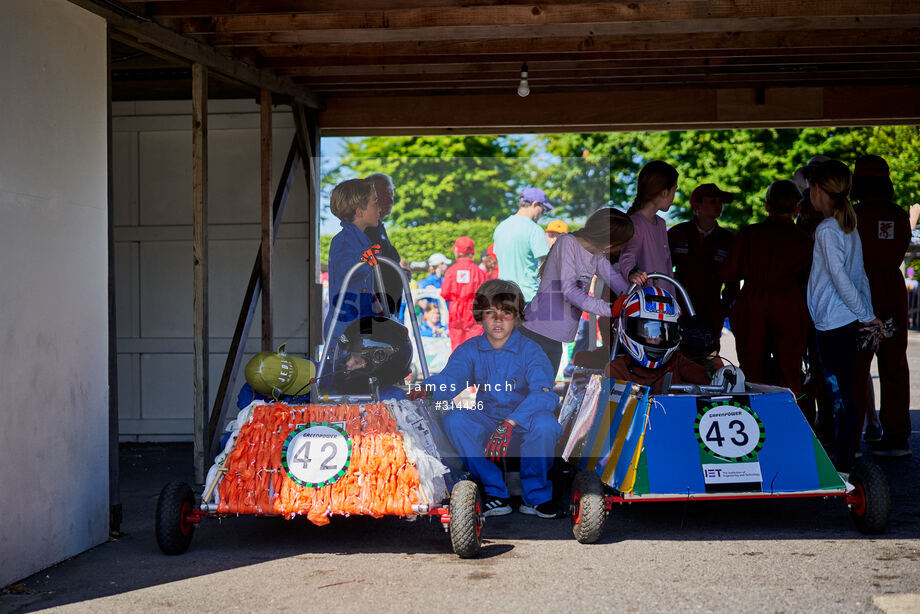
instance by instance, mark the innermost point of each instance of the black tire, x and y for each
(466, 519)
(174, 534)
(872, 507)
(588, 513)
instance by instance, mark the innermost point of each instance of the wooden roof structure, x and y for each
(442, 66)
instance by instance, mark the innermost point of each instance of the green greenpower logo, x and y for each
(316, 454)
(730, 431)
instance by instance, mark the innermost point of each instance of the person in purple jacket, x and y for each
(551, 318)
(648, 249)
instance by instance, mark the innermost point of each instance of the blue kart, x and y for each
(729, 440)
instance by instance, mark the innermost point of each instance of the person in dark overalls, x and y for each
(698, 249)
(884, 229)
(770, 316)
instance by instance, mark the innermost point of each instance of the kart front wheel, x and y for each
(587, 507)
(870, 501)
(174, 531)
(466, 519)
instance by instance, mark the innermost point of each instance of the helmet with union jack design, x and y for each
(648, 326)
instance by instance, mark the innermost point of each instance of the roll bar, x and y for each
(378, 276)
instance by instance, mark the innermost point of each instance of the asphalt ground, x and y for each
(749, 556)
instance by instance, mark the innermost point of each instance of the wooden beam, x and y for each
(222, 400)
(586, 46)
(540, 67)
(405, 62)
(599, 76)
(552, 31)
(115, 509)
(200, 263)
(306, 133)
(196, 51)
(594, 14)
(664, 109)
(267, 222)
(208, 8)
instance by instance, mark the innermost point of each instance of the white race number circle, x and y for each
(316, 454)
(729, 431)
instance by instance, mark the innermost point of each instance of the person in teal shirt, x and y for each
(520, 243)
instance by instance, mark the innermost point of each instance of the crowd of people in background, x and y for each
(819, 283)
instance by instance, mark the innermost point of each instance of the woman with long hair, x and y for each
(838, 298)
(551, 318)
(648, 249)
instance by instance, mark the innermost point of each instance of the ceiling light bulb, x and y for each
(523, 88)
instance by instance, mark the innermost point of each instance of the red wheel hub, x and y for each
(576, 507)
(184, 525)
(858, 499)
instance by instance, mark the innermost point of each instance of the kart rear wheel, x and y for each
(871, 505)
(588, 513)
(466, 519)
(174, 532)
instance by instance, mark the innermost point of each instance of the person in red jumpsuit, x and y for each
(458, 288)
(489, 263)
(884, 229)
(770, 316)
(698, 248)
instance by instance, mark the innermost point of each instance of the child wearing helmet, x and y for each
(650, 334)
(371, 347)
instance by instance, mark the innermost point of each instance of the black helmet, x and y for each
(371, 346)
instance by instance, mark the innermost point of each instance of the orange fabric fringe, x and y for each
(379, 480)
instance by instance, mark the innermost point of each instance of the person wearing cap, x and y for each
(698, 249)
(884, 229)
(554, 229)
(392, 284)
(520, 243)
(461, 281)
(437, 265)
(489, 263)
(770, 315)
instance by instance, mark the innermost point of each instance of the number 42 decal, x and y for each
(316, 454)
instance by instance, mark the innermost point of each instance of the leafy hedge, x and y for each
(419, 242)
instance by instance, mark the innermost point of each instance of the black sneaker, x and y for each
(894, 449)
(496, 506)
(543, 510)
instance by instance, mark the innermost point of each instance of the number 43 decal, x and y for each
(715, 434)
(730, 431)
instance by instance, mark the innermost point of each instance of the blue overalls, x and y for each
(514, 382)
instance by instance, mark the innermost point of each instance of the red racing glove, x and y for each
(497, 446)
(419, 393)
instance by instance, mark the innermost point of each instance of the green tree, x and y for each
(740, 161)
(442, 177)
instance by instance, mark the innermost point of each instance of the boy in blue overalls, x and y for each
(514, 400)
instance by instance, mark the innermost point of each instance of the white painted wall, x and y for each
(153, 253)
(53, 285)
